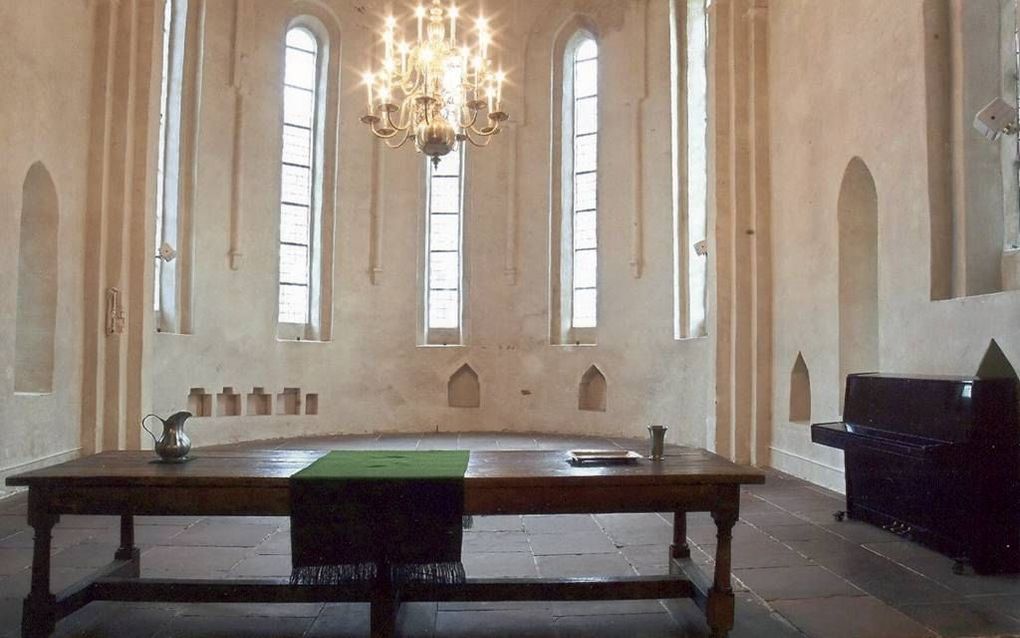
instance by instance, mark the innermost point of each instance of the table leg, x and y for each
(719, 610)
(680, 548)
(39, 617)
(127, 550)
(384, 606)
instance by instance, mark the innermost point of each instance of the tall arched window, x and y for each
(301, 184)
(168, 162)
(575, 176)
(584, 132)
(444, 249)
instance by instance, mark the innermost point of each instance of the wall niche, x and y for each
(36, 314)
(260, 402)
(288, 402)
(995, 364)
(857, 213)
(800, 391)
(463, 389)
(199, 402)
(312, 403)
(591, 394)
(228, 402)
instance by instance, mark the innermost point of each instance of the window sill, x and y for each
(1011, 269)
(442, 345)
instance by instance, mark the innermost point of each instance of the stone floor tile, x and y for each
(860, 532)
(262, 567)
(801, 532)
(17, 585)
(962, 619)
(490, 542)
(500, 564)
(615, 626)
(190, 561)
(71, 521)
(438, 442)
(415, 620)
(560, 524)
(774, 583)
(571, 543)
(940, 568)
(581, 566)
(477, 442)
(177, 521)
(1008, 604)
(605, 607)
(497, 523)
(850, 617)
(116, 620)
(62, 537)
(14, 559)
(508, 623)
(285, 610)
(395, 442)
(90, 555)
(772, 517)
(767, 553)
(217, 534)
(234, 627)
(278, 543)
(145, 535)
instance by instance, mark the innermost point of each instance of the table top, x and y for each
(272, 468)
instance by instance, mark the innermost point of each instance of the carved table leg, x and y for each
(720, 597)
(127, 550)
(679, 548)
(39, 616)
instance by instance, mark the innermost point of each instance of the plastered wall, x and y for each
(373, 375)
(848, 80)
(43, 118)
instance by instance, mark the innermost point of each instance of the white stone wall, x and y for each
(373, 375)
(43, 118)
(848, 79)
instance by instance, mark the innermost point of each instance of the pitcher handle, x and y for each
(144, 418)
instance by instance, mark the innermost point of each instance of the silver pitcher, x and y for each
(173, 445)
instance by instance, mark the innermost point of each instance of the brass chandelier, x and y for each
(435, 91)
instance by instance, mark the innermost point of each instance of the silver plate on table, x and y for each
(603, 456)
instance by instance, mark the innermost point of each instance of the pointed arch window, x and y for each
(575, 174)
(301, 189)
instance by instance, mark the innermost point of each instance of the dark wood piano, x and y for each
(936, 460)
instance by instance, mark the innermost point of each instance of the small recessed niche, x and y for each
(800, 391)
(260, 402)
(995, 364)
(289, 401)
(199, 402)
(591, 394)
(228, 403)
(311, 403)
(463, 389)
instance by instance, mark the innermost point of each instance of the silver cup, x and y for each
(657, 433)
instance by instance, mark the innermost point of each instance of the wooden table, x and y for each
(255, 483)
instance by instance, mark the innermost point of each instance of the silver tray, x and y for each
(603, 456)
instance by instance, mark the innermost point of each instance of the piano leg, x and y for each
(719, 609)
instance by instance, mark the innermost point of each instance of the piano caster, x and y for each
(960, 566)
(839, 516)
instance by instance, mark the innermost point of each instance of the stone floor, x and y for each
(797, 572)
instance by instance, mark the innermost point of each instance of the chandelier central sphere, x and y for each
(436, 91)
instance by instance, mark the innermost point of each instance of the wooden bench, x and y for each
(255, 483)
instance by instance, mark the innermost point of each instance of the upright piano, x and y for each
(934, 459)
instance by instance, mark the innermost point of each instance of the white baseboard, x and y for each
(829, 476)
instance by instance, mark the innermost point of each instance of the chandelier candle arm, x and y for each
(440, 84)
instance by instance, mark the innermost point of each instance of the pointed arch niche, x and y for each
(800, 391)
(857, 212)
(36, 321)
(591, 394)
(463, 390)
(995, 364)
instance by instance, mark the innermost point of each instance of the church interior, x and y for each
(786, 230)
